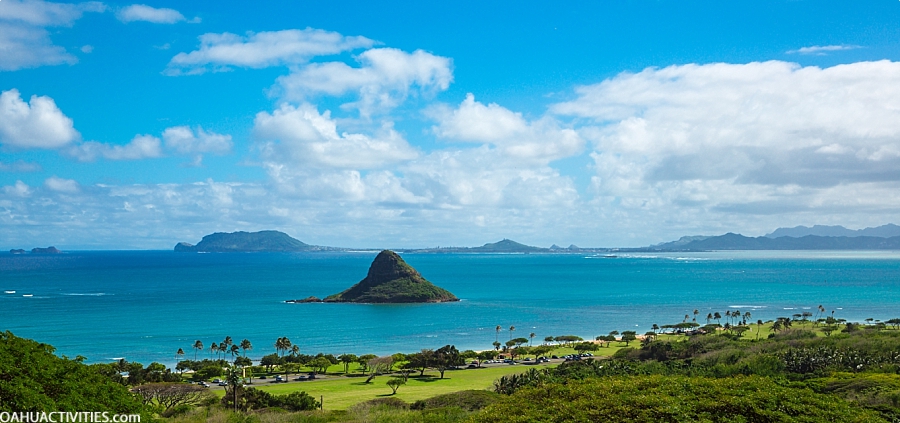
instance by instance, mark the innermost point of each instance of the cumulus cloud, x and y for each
(61, 185)
(19, 189)
(220, 52)
(755, 137)
(35, 124)
(19, 166)
(144, 13)
(542, 140)
(822, 50)
(302, 136)
(184, 140)
(383, 80)
(24, 39)
(140, 147)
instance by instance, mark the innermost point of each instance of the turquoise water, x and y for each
(144, 305)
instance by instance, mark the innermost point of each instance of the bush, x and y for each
(470, 400)
(672, 398)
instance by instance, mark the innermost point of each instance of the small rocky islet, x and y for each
(390, 280)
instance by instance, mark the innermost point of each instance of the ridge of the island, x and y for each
(262, 241)
(390, 280)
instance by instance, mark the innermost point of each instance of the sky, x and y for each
(420, 124)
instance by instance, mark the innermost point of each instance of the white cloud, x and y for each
(24, 39)
(822, 50)
(36, 124)
(186, 141)
(61, 185)
(20, 189)
(303, 137)
(382, 81)
(19, 166)
(219, 52)
(41, 13)
(140, 147)
(694, 143)
(144, 13)
(542, 140)
(87, 49)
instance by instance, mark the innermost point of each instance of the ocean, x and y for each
(145, 305)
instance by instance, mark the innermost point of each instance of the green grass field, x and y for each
(341, 392)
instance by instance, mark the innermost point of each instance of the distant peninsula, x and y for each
(237, 242)
(390, 280)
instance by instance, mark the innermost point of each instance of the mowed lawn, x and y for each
(341, 392)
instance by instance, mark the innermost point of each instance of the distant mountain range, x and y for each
(884, 231)
(886, 237)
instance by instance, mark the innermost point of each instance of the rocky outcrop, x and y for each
(391, 280)
(310, 299)
(48, 250)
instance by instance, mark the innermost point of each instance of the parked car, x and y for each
(203, 384)
(223, 383)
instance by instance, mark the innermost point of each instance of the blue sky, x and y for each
(403, 124)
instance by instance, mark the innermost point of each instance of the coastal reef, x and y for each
(391, 280)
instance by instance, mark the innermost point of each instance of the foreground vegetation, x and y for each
(791, 369)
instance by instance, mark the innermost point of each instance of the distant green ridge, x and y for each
(506, 246)
(269, 241)
(391, 280)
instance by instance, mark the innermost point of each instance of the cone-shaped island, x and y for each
(391, 280)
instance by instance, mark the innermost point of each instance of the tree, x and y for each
(32, 378)
(363, 361)
(270, 361)
(198, 346)
(347, 359)
(213, 348)
(246, 345)
(530, 337)
(497, 345)
(320, 364)
(170, 395)
(709, 317)
(395, 383)
(717, 317)
(379, 365)
(548, 339)
(655, 328)
(511, 329)
(283, 345)
(447, 357)
(628, 336)
(421, 360)
(497, 337)
(179, 354)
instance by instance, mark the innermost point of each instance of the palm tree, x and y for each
(234, 351)
(709, 317)
(728, 315)
(655, 327)
(747, 316)
(530, 338)
(696, 312)
(497, 338)
(180, 354)
(686, 316)
(246, 345)
(511, 329)
(717, 317)
(759, 324)
(213, 348)
(223, 348)
(198, 346)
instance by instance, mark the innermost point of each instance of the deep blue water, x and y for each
(144, 305)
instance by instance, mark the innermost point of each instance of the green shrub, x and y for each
(672, 399)
(470, 400)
